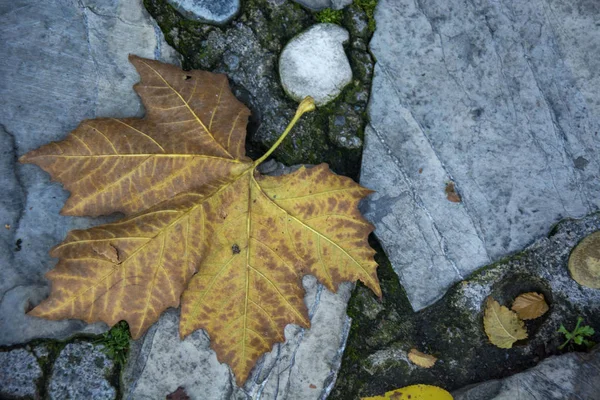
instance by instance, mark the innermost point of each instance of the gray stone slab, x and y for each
(61, 63)
(304, 367)
(211, 11)
(570, 376)
(500, 97)
(81, 371)
(19, 374)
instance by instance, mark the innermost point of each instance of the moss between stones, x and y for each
(274, 26)
(330, 16)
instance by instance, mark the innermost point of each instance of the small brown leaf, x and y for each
(530, 305)
(451, 194)
(502, 326)
(312, 386)
(421, 359)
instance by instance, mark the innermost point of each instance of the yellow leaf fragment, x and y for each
(584, 262)
(421, 359)
(414, 392)
(502, 326)
(201, 224)
(530, 305)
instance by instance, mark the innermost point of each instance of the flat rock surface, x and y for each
(211, 11)
(570, 376)
(304, 367)
(314, 64)
(19, 374)
(81, 371)
(70, 65)
(502, 99)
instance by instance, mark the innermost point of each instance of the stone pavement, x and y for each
(496, 102)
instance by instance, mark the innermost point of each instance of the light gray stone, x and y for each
(210, 11)
(317, 5)
(501, 98)
(304, 367)
(314, 64)
(570, 376)
(19, 374)
(81, 371)
(62, 62)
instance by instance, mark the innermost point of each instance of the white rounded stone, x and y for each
(314, 64)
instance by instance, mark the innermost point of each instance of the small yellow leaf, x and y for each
(421, 359)
(530, 305)
(584, 262)
(502, 326)
(414, 392)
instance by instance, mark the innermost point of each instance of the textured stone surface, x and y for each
(19, 374)
(383, 332)
(304, 367)
(570, 376)
(323, 4)
(314, 64)
(81, 371)
(211, 11)
(500, 97)
(70, 65)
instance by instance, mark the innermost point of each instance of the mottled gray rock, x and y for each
(503, 99)
(342, 128)
(323, 4)
(314, 64)
(70, 65)
(304, 367)
(81, 371)
(211, 11)
(570, 376)
(19, 374)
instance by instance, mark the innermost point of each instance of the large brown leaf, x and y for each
(195, 203)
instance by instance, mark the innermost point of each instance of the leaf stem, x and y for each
(306, 105)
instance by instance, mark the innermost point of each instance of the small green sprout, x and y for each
(329, 16)
(116, 343)
(578, 335)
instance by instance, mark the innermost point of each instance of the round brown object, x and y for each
(584, 262)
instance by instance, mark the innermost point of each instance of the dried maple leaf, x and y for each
(421, 359)
(502, 326)
(530, 305)
(198, 216)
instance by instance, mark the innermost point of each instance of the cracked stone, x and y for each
(503, 100)
(303, 367)
(71, 65)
